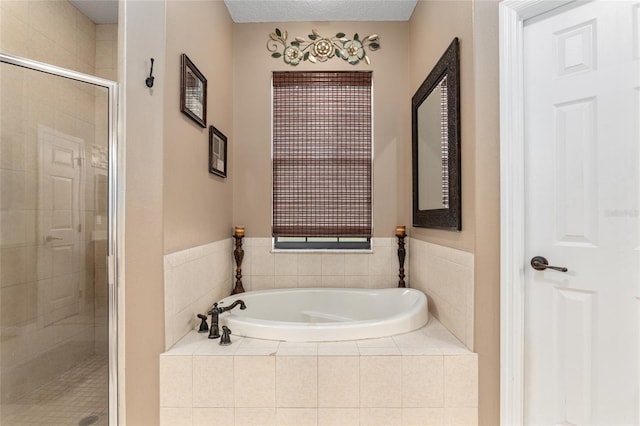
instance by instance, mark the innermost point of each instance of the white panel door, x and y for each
(582, 133)
(60, 216)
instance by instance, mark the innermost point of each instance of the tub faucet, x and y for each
(214, 331)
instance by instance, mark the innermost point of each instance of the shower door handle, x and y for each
(50, 238)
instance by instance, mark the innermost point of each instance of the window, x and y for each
(322, 159)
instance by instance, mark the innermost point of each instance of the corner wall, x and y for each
(141, 36)
(172, 203)
(432, 27)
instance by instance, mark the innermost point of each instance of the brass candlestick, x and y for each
(401, 233)
(238, 254)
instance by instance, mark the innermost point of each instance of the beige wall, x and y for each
(172, 202)
(252, 116)
(197, 204)
(432, 27)
(142, 35)
(487, 218)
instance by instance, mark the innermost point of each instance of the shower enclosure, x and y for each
(58, 324)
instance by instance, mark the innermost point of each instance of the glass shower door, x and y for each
(54, 242)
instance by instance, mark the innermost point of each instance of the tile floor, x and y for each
(76, 397)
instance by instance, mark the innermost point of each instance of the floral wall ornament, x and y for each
(319, 48)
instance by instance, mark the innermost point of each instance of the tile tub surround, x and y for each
(264, 268)
(193, 279)
(420, 378)
(446, 276)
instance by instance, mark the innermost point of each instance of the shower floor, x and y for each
(76, 397)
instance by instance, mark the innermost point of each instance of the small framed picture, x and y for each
(193, 92)
(217, 152)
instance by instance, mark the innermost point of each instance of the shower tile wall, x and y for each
(33, 348)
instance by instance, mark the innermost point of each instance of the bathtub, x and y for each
(326, 314)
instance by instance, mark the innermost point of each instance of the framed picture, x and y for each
(217, 152)
(193, 92)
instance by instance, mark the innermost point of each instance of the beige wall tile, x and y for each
(213, 417)
(356, 264)
(213, 381)
(460, 416)
(338, 416)
(380, 261)
(13, 266)
(446, 276)
(193, 279)
(260, 282)
(13, 33)
(338, 349)
(338, 381)
(262, 261)
(333, 281)
(176, 381)
(380, 417)
(297, 416)
(107, 32)
(296, 382)
(104, 54)
(356, 281)
(256, 347)
(422, 416)
(254, 381)
(461, 381)
(175, 416)
(285, 281)
(255, 416)
(383, 281)
(422, 381)
(286, 264)
(309, 264)
(332, 264)
(297, 349)
(307, 281)
(17, 8)
(380, 381)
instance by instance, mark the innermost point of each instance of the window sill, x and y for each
(316, 251)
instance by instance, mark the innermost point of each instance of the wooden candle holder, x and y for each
(238, 254)
(401, 233)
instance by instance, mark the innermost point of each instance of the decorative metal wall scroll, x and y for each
(319, 48)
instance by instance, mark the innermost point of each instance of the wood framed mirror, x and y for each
(435, 128)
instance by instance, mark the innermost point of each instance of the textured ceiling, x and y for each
(319, 10)
(106, 11)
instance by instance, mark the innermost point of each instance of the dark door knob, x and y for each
(539, 263)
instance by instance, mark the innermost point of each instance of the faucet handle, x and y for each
(225, 339)
(204, 327)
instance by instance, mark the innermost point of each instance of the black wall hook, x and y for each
(149, 80)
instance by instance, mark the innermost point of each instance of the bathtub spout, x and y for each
(233, 305)
(214, 331)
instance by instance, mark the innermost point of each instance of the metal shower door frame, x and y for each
(112, 221)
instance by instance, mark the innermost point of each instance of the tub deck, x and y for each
(423, 377)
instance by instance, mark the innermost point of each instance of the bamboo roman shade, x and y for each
(322, 154)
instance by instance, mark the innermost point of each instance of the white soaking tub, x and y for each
(326, 314)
